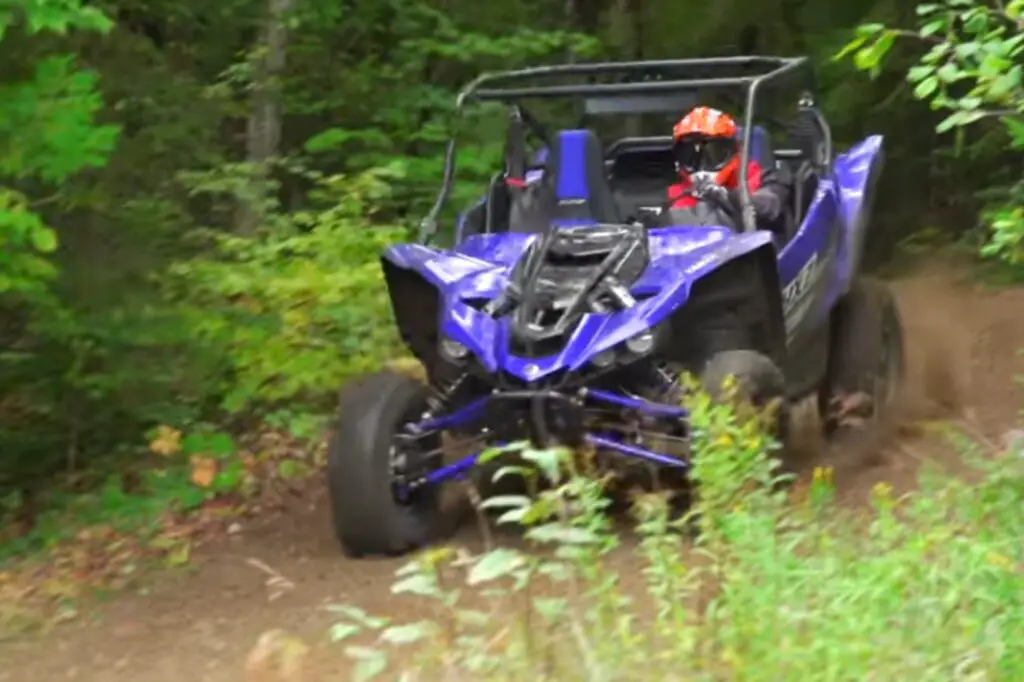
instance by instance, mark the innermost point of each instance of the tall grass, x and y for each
(930, 586)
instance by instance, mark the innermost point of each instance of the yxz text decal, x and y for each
(796, 301)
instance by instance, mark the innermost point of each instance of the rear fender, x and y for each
(856, 175)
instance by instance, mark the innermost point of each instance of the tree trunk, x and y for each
(634, 9)
(263, 132)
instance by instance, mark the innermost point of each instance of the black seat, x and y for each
(805, 136)
(574, 188)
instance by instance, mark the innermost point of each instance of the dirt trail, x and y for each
(198, 626)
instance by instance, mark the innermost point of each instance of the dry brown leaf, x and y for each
(204, 470)
(167, 441)
(276, 652)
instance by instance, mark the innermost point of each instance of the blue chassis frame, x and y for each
(467, 413)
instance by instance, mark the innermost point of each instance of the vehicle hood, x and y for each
(478, 270)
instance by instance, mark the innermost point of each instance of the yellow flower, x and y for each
(823, 475)
(882, 491)
(999, 560)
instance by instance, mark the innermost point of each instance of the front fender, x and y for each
(440, 268)
(419, 279)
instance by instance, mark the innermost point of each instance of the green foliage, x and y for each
(140, 318)
(47, 133)
(129, 293)
(973, 68)
(301, 307)
(930, 587)
(36, 16)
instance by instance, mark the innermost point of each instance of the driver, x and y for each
(707, 157)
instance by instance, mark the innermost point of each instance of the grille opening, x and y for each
(537, 349)
(547, 317)
(580, 260)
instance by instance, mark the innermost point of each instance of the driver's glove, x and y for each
(718, 191)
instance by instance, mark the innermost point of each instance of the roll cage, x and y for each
(633, 87)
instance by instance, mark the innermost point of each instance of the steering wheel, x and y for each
(716, 195)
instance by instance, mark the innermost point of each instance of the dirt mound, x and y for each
(962, 341)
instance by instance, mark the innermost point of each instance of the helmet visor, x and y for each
(694, 154)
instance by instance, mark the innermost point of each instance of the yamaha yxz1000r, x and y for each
(572, 301)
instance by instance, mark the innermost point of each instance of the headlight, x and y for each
(453, 350)
(641, 344)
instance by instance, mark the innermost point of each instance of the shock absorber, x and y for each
(443, 393)
(666, 381)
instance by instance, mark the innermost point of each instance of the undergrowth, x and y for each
(79, 542)
(778, 585)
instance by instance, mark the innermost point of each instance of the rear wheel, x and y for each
(866, 359)
(369, 518)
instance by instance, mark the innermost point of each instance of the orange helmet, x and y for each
(706, 142)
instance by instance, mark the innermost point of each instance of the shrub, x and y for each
(299, 308)
(972, 66)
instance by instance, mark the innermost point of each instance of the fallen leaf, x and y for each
(276, 651)
(180, 555)
(204, 470)
(167, 441)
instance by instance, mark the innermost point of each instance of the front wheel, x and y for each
(759, 381)
(369, 518)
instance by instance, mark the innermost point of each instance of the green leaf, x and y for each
(993, 65)
(550, 608)
(359, 616)
(968, 49)
(408, 633)
(932, 27)
(340, 631)
(495, 452)
(927, 8)
(959, 119)
(871, 57)
(420, 584)
(548, 460)
(506, 502)
(949, 72)
(44, 239)
(370, 663)
(1015, 128)
(849, 48)
(919, 73)
(869, 30)
(495, 564)
(562, 534)
(926, 87)
(523, 472)
(513, 516)
(975, 20)
(1008, 82)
